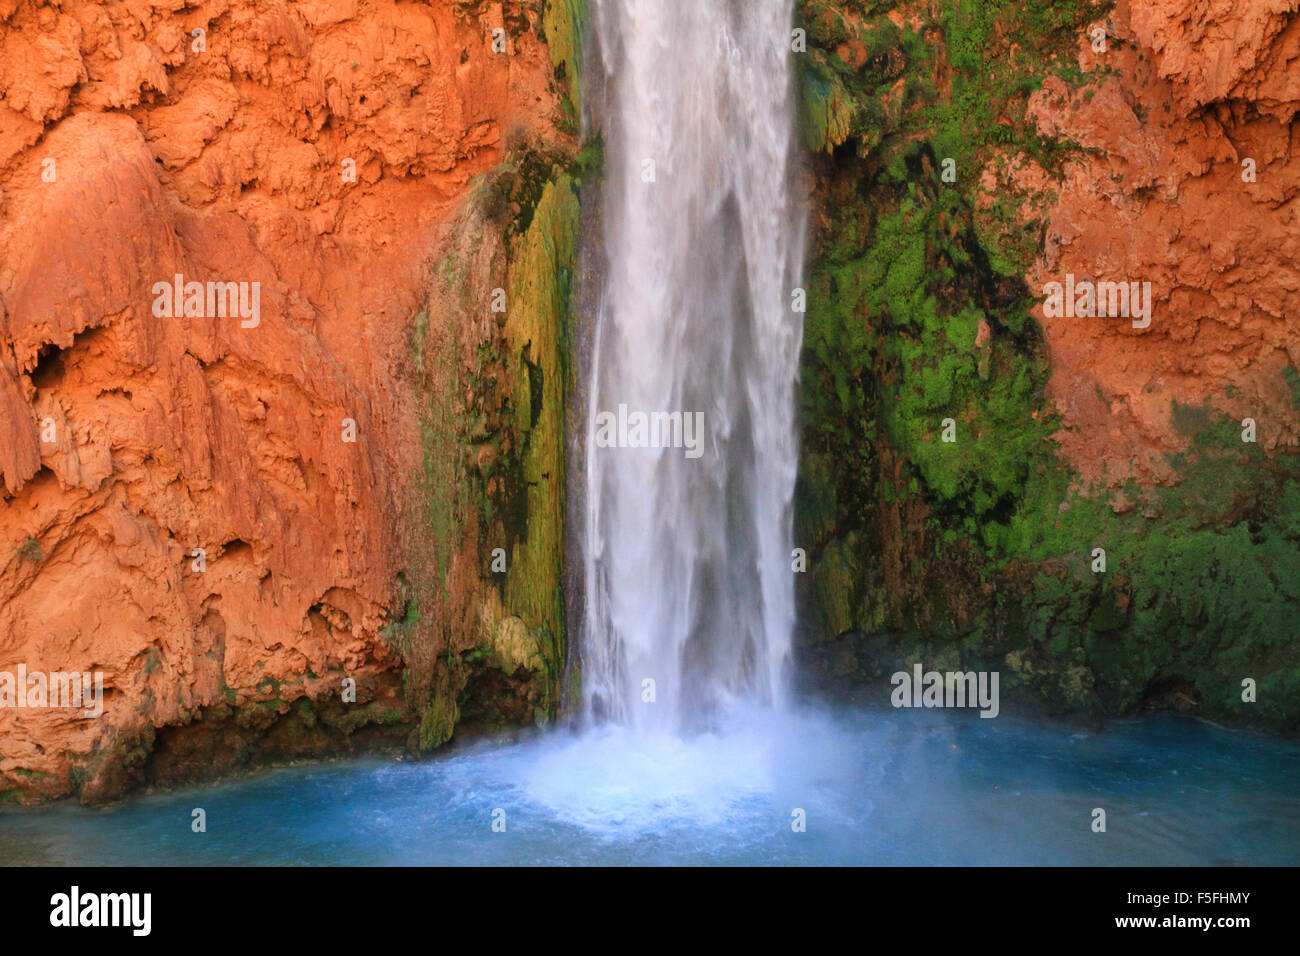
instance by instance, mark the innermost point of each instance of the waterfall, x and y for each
(691, 450)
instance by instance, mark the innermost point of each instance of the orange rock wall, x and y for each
(132, 150)
(1201, 87)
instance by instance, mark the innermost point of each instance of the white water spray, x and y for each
(689, 590)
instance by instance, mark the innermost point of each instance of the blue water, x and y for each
(891, 787)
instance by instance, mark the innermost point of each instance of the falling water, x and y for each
(687, 559)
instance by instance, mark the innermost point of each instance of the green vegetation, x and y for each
(481, 641)
(537, 327)
(563, 27)
(29, 550)
(491, 353)
(980, 550)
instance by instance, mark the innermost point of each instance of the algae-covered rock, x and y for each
(940, 521)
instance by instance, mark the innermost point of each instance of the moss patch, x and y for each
(919, 329)
(485, 567)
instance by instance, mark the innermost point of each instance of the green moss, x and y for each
(438, 723)
(563, 28)
(1292, 379)
(29, 550)
(398, 633)
(589, 162)
(492, 474)
(537, 332)
(77, 779)
(908, 310)
(917, 314)
(837, 581)
(269, 685)
(827, 108)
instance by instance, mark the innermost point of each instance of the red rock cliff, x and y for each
(317, 149)
(1192, 187)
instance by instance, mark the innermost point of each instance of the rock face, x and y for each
(355, 471)
(1192, 188)
(1075, 501)
(212, 508)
